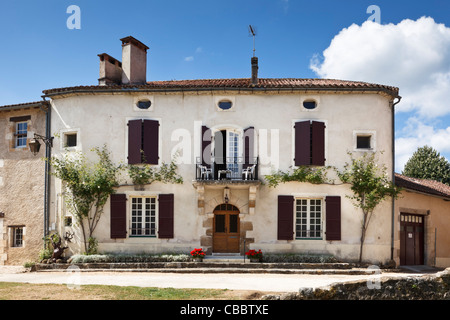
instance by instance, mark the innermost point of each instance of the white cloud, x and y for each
(412, 55)
(417, 134)
(189, 59)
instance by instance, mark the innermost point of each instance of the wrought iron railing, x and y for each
(229, 168)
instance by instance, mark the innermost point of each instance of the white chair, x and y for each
(249, 172)
(205, 172)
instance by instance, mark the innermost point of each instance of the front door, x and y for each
(411, 239)
(226, 237)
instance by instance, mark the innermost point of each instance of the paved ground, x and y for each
(232, 281)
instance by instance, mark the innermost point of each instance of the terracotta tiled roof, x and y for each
(22, 105)
(422, 185)
(243, 83)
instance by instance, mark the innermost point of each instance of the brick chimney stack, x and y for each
(134, 61)
(254, 71)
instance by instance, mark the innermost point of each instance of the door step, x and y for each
(224, 257)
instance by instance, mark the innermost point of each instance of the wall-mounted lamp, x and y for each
(35, 144)
(226, 194)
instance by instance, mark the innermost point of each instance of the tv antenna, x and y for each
(252, 32)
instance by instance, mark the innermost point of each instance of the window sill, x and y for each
(308, 238)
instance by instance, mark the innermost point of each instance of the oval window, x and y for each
(225, 105)
(144, 104)
(309, 104)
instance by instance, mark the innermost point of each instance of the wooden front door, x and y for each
(226, 236)
(411, 239)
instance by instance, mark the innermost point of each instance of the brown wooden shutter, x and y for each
(318, 143)
(134, 141)
(206, 146)
(165, 216)
(302, 143)
(249, 142)
(118, 211)
(333, 218)
(285, 217)
(151, 141)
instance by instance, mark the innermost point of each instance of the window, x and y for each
(70, 140)
(143, 141)
(143, 216)
(67, 221)
(308, 219)
(225, 105)
(309, 144)
(17, 236)
(21, 134)
(144, 104)
(233, 153)
(363, 142)
(309, 104)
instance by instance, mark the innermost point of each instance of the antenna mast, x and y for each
(252, 32)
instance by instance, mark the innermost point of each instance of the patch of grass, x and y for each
(26, 291)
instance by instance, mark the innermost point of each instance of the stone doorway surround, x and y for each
(241, 194)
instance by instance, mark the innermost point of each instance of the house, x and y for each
(22, 182)
(229, 134)
(422, 228)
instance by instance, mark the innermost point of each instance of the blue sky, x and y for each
(209, 39)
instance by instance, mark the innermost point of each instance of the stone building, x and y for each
(422, 220)
(229, 133)
(22, 183)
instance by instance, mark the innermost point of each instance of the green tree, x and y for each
(427, 163)
(370, 185)
(89, 185)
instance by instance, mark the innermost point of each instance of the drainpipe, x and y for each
(393, 174)
(48, 151)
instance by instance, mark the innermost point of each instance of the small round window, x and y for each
(144, 104)
(309, 104)
(225, 105)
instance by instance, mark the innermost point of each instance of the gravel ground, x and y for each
(231, 281)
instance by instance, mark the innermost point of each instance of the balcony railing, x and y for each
(229, 168)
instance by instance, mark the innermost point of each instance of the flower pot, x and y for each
(198, 259)
(255, 260)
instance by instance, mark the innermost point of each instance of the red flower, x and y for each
(197, 253)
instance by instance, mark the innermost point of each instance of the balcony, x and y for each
(227, 169)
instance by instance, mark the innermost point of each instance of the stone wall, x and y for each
(21, 189)
(430, 287)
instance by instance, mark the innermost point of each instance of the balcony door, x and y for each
(227, 152)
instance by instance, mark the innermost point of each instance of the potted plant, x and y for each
(254, 256)
(197, 255)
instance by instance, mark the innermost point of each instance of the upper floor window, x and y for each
(20, 134)
(70, 139)
(309, 146)
(364, 140)
(309, 104)
(144, 104)
(225, 105)
(143, 141)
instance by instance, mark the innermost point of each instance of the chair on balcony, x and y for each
(249, 172)
(205, 172)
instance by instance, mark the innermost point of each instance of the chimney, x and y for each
(254, 71)
(134, 61)
(110, 70)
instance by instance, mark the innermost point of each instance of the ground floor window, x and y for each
(143, 216)
(17, 236)
(308, 219)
